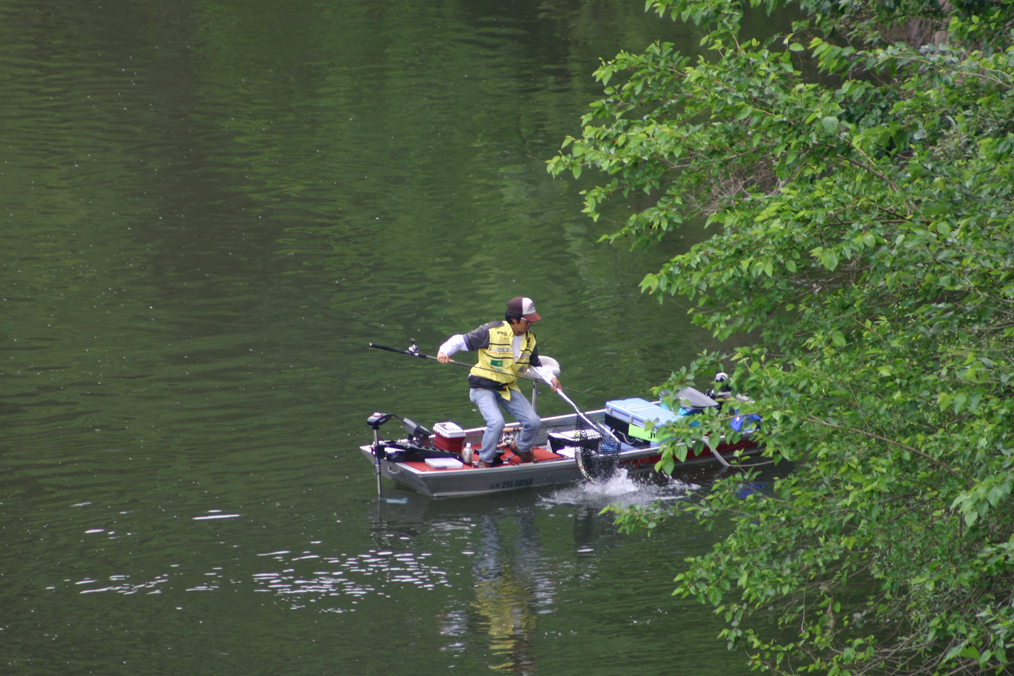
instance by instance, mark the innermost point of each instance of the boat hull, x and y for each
(554, 470)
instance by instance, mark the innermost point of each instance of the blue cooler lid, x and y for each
(638, 411)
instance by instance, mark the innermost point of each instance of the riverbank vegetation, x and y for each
(857, 177)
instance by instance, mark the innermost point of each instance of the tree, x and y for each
(857, 174)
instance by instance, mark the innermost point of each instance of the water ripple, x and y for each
(351, 576)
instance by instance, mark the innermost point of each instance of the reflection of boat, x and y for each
(566, 451)
(511, 583)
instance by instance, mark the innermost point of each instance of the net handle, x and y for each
(601, 429)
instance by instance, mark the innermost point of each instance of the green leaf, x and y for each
(959, 401)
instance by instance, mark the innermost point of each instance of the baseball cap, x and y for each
(524, 307)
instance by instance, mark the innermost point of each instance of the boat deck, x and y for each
(541, 455)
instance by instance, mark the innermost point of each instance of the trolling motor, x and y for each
(380, 451)
(378, 419)
(417, 434)
(375, 421)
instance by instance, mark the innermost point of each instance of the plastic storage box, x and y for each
(443, 463)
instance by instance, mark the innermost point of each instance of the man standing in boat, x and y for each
(506, 350)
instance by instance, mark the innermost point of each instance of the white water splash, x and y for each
(620, 489)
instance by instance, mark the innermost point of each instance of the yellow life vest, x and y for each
(497, 362)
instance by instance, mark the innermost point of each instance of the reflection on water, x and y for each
(121, 584)
(513, 582)
(525, 552)
(510, 580)
(511, 586)
(347, 578)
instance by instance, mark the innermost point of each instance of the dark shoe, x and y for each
(526, 456)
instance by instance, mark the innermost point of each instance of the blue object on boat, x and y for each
(685, 412)
(750, 421)
(637, 411)
(610, 447)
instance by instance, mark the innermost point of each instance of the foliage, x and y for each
(857, 174)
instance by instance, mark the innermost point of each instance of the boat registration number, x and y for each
(516, 483)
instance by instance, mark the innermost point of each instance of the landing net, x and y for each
(597, 458)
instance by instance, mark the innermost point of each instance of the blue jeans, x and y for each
(490, 402)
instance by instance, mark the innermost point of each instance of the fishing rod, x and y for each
(415, 352)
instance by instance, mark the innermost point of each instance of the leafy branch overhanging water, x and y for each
(863, 229)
